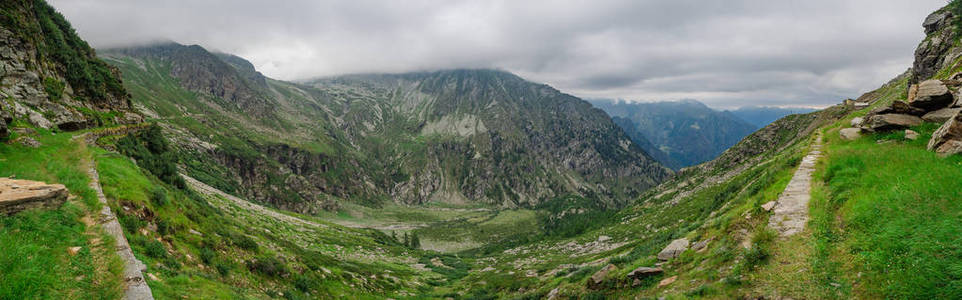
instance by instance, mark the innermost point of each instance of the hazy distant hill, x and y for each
(685, 132)
(764, 115)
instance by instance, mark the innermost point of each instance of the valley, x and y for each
(186, 173)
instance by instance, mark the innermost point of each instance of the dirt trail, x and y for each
(208, 190)
(791, 209)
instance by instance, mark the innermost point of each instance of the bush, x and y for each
(223, 268)
(155, 249)
(268, 265)
(207, 255)
(152, 152)
(158, 195)
(243, 241)
(53, 87)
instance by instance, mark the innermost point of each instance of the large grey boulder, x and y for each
(888, 122)
(947, 140)
(850, 134)
(932, 95)
(857, 121)
(942, 115)
(674, 249)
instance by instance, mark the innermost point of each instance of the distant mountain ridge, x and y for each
(458, 136)
(761, 116)
(685, 132)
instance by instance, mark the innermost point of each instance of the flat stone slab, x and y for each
(19, 195)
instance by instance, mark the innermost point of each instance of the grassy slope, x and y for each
(34, 262)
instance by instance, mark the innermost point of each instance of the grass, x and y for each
(34, 262)
(915, 252)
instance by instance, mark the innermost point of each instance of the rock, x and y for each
(599, 277)
(674, 249)
(911, 135)
(849, 134)
(153, 277)
(74, 250)
(897, 107)
(644, 272)
(888, 122)
(935, 21)
(19, 195)
(27, 141)
(947, 140)
(24, 130)
(553, 294)
(603, 238)
(942, 115)
(857, 121)
(3, 129)
(771, 204)
(700, 245)
(932, 95)
(913, 91)
(667, 281)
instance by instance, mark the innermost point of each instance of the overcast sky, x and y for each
(725, 53)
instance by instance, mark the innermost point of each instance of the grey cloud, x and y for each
(724, 53)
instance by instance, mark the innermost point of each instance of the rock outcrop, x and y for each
(674, 249)
(49, 76)
(19, 195)
(636, 275)
(936, 51)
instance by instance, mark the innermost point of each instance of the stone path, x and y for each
(791, 209)
(136, 288)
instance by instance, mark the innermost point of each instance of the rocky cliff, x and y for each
(50, 78)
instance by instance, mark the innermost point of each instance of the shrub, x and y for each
(223, 268)
(159, 196)
(268, 265)
(155, 249)
(243, 241)
(207, 255)
(53, 87)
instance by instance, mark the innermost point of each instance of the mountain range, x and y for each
(168, 171)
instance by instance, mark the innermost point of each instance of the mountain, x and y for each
(685, 133)
(458, 136)
(764, 115)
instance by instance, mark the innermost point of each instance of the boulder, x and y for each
(771, 204)
(932, 95)
(644, 272)
(897, 107)
(27, 141)
(913, 91)
(19, 195)
(947, 140)
(700, 245)
(849, 134)
(599, 277)
(911, 134)
(674, 249)
(665, 282)
(886, 122)
(857, 121)
(942, 115)
(936, 20)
